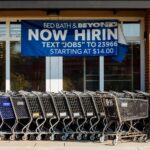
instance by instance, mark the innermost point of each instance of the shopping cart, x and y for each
(77, 115)
(101, 122)
(90, 114)
(49, 111)
(63, 115)
(7, 116)
(22, 117)
(36, 116)
(122, 118)
(146, 122)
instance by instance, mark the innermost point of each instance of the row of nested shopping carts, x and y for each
(75, 115)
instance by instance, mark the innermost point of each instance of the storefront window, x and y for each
(2, 66)
(73, 73)
(15, 30)
(81, 73)
(92, 73)
(125, 75)
(27, 73)
(2, 30)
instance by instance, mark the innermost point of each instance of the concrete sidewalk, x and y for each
(56, 145)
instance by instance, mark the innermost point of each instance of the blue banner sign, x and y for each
(69, 38)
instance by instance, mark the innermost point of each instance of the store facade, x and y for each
(75, 73)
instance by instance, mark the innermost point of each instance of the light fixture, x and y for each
(52, 12)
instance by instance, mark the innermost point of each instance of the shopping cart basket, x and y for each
(146, 122)
(63, 115)
(119, 111)
(77, 115)
(22, 117)
(101, 122)
(49, 111)
(90, 114)
(7, 116)
(36, 115)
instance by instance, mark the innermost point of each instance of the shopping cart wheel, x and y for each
(79, 137)
(38, 138)
(115, 142)
(64, 137)
(145, 139)
(99, 135)
(12, 138)
(85, 136)
(52, 137)
(71, 137)
(92, 137)
(17, 136)
(101, 139)
(24, 137)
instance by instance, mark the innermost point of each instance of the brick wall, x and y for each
(147, 51)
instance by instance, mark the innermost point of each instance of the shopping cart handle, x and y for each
(103, 92)
(144, 93)
(76, 92)
(90, 92)
(64, 92)
(9, 92)
(36, 92)
(130, 93)
(23, 92)
(2, 93)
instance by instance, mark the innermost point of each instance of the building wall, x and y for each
(147, 51)
(72, 13)
(80, 14)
